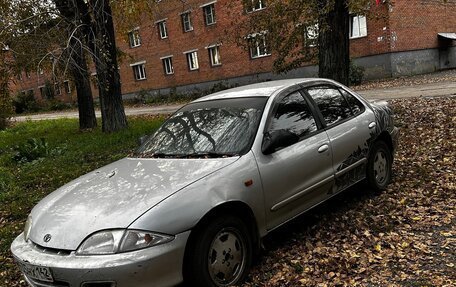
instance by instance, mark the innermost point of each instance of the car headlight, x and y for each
(27, 227)
(118, 241)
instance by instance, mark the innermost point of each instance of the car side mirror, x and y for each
(275, 140)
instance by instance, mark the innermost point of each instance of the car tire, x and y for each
(379, 166)
(220, 253)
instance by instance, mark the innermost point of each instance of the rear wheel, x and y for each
(220, 254)
(379, 166)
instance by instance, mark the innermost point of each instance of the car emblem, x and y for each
(47, 238)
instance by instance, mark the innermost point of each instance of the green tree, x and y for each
(299, 32)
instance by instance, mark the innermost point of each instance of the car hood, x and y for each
(113, 197)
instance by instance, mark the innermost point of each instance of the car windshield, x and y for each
(218, 128)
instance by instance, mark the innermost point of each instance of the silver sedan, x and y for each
(194, 201)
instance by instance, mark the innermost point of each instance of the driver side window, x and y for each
(293, 115)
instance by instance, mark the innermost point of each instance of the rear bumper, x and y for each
(155, 266)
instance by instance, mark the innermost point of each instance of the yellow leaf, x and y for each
(378, 248)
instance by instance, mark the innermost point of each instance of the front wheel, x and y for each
(220, 254)
(379, 166)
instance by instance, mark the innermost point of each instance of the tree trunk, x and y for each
(333, 40)
(105, 57)
(78, 65)
(79, 71)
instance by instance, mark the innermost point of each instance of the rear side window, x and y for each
(293, 114)
(356, 106)
(331, 103)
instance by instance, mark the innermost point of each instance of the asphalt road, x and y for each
(419, 90)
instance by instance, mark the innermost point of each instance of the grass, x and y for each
(65, 154)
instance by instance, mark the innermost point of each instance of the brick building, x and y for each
(183, 47)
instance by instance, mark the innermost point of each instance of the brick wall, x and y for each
(415, 23)
(235, 61)
(403, 26)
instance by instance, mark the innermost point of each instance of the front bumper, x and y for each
(156, 266)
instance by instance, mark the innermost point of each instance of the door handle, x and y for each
(323, 148)
(372, 125)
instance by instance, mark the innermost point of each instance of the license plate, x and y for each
(35, 272)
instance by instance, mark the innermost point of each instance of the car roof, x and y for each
(264, 89)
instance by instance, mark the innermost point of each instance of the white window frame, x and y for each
(186, 18)
(209, 13)
(139, 71)
(134, 38)
(162, 29)
(67, 86)
(168, 65)
(258, 46)
(57, 89)
(358, 24)
(214, 59)
(43, 91)
(192, 60)
(311, 35)
(256, 5)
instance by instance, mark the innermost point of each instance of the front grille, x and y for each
(47, 250)
(37, 283)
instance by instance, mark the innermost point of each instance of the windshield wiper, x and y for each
(161, 155)
(210, 154)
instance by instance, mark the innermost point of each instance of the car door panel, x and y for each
(296, 177)
(348, 131)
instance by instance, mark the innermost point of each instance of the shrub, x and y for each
(31, 150)
(356, 74)
(6, 110)
(25, 102)
(56, 105)
(5, 101)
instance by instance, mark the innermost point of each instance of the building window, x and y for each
(214, 55)
(187, 21)
(135, 39)
(57, 90)
(162, 29)
(259, 46)
(209, 14)
(311, 35)
(255, 5)
(139, 70)
(168, 65)
(67, 86)
(45, 92)
(192, 60)
(358, 26)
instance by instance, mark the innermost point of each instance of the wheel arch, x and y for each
(234, 208)
(386, 138)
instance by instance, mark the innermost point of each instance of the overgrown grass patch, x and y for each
(59, 153)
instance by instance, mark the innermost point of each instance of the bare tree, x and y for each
(76, 54)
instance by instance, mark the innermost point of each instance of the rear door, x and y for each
(346, 121)
(297, 176)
